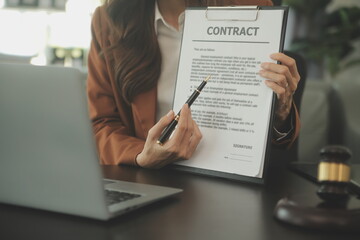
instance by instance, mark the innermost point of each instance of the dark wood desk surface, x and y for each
(209, 208)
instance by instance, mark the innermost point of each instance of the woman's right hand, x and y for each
(180, 146)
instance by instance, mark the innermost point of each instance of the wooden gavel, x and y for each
(334, 173)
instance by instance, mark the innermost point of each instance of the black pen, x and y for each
(170, 128)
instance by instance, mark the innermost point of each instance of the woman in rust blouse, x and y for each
(133, 55)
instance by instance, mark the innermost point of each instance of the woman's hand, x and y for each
(180, 146)
(283, 80)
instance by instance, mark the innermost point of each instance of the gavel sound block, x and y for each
(331, 214)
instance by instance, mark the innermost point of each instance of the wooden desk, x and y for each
(209, 208)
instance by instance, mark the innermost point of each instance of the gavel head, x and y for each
(334, 173)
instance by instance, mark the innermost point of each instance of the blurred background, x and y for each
(46, 32)
(324, 33)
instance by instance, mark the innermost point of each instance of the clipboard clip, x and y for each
(251, 19)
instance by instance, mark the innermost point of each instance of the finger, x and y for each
(197, 131)
(291, 64)
(189, 130)
(280, 91)
(277, 68)
(288, 61)
(181, 126)
(189, 145)
(275, 77)
(282, 70)
(194, 140)
(157, 129)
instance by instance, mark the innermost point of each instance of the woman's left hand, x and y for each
(283, 80)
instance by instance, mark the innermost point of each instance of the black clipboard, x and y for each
(250, 18)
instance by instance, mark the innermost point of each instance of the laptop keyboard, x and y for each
(113, 197)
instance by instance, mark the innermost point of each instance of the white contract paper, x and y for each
(234, 109)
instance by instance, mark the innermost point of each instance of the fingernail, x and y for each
(170, 113)
(263, 65)
(272, 56)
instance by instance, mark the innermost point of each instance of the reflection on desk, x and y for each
(209, 208)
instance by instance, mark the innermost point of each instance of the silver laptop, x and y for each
(48, 158)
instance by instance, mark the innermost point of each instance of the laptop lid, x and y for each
(48, 156)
